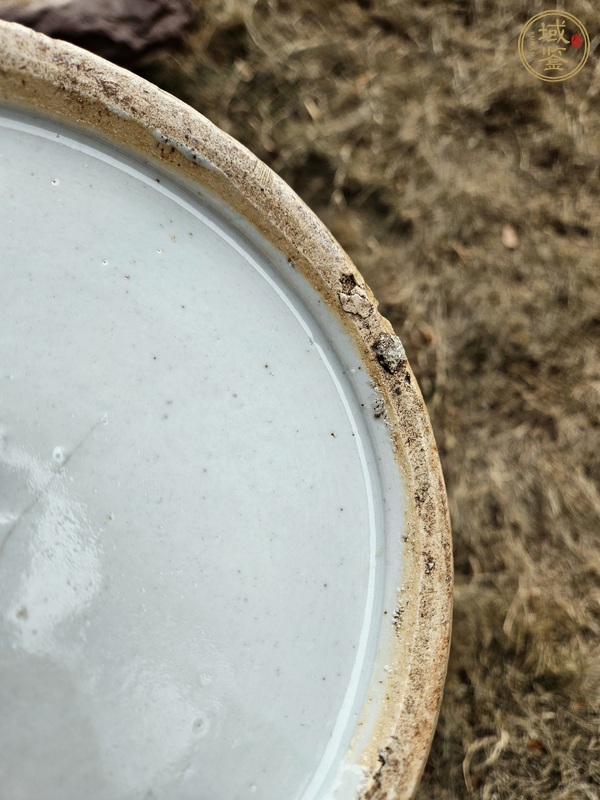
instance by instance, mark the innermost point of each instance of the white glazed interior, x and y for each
(198, 545)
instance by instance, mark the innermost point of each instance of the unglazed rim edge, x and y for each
(69, 83)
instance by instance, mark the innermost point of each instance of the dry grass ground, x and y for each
(416, 134)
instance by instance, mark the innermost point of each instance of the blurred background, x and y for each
(466, 190)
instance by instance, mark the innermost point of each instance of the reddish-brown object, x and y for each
(120, 30)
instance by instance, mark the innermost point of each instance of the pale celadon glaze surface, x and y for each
(193, 544)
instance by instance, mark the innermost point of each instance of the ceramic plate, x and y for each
(225, 564)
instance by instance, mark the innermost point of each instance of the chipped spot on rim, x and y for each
(64, 81)
(390, 352)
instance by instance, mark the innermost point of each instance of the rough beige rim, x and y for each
(68, 83)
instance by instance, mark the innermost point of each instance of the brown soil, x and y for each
(466, 191)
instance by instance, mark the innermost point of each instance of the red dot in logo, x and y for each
(576, 41)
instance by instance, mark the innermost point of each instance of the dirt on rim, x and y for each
(466, 191)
